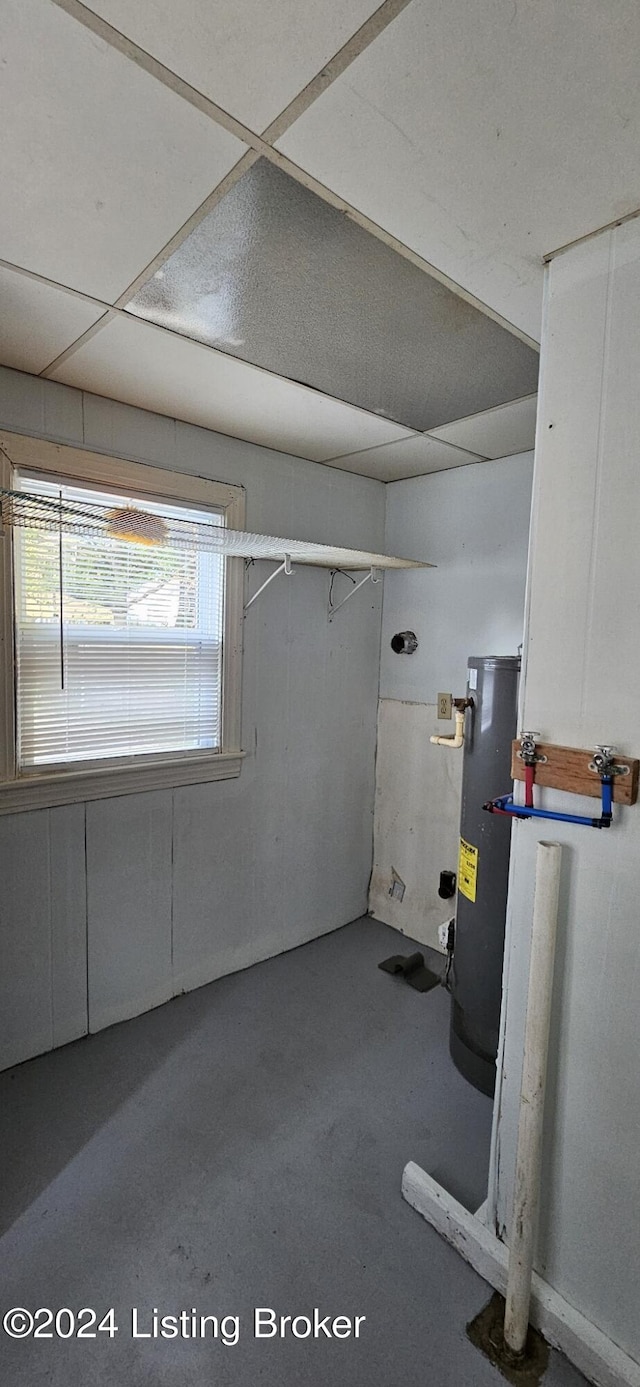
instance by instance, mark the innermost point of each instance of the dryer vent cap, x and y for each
(404, 643)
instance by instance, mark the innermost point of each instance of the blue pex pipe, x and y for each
(505, 805)
(607, 796)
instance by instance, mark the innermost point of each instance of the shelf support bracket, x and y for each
(284, 567)
(371, 577)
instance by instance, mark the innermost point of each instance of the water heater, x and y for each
(483, 868)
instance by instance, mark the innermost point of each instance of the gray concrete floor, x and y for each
(243, 1146)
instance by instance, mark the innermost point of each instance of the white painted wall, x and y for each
(148, 895)
(473, 522)
(581, 687)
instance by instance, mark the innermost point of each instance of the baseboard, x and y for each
(601, 1361)
(100, 1017)
(251, 953)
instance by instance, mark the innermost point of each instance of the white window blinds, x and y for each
(118, 644)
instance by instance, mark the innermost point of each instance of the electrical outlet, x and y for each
(446, 935)
(444, 705)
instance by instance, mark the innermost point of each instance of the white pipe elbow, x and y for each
(458, 737)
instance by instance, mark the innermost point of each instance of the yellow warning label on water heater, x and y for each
(467, 870)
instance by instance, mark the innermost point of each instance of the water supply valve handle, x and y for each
(528, 749)
(604, 764)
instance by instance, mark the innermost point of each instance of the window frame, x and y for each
(42, 789)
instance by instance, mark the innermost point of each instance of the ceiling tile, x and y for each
(145, 366)
(250, 57)
(497, 433)
(484, 134)
(37, 321)
(104, 163)
(412, 457)
(273, 258)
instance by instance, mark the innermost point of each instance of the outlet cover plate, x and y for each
(444, 706)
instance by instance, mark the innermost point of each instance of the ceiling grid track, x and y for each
(347, 54)
(425, 433)
(416, 441)
(370, 30)
(112, 311)
(53, 283)
(213, 198)
(79, 342)
(154, 68)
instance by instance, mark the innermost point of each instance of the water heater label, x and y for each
(467, 870)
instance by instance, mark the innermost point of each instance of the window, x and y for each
(118, 644)
(125, 627)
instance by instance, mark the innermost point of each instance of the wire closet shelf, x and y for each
(132, 522)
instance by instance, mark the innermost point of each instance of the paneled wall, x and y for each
(473, 522)
(581, 687)
(112, 907)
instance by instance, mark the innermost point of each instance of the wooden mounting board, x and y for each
(567, 768)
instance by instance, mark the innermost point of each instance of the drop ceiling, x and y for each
(58, 317)
(485, 134)
(276, 276)
(157, 370)
(250, 57)
(322, 235)
(102, 162)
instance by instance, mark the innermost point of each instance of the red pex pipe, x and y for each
(528, 786)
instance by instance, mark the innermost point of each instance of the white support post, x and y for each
(522, 1233)
(564, 1327)
(587, 1347)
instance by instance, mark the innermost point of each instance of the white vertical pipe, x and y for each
(534, 1075)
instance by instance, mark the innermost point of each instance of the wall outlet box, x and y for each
(397, 887)
(444, 705)
(443, 935)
